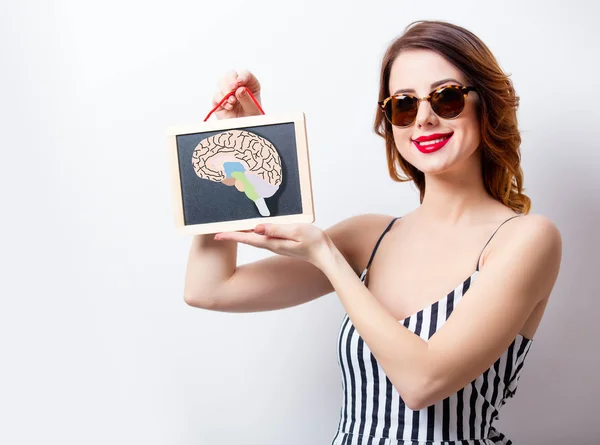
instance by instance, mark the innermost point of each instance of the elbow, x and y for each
(421, 394)
(414, 399)
(417, 401)
(430, 394)
(194, 300)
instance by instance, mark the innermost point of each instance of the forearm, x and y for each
(210, 264)
(401, 353)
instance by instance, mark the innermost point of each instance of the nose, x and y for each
(425, 115)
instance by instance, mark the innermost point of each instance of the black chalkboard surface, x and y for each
(236, 173)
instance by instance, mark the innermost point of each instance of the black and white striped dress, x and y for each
(373, 413)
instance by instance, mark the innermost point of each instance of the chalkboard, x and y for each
(233, 174)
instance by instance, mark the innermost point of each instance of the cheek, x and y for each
(403, 141)
(472, 135)
(472, 127)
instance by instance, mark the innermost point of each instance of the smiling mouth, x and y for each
(427, 147)
(436, 141)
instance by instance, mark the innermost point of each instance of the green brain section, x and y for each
(248, 187)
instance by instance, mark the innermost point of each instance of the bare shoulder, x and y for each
(355, 237)
(533, 241)
(534, 231)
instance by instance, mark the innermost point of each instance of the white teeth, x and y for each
(433, 142)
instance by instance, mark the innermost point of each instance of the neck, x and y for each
(454, 196)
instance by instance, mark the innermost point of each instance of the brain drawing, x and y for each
(242, 159)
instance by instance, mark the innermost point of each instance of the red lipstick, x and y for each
(431, 147)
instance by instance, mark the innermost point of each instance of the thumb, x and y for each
(246, 101)
(285, 231)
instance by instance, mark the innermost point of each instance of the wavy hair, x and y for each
(497, 109)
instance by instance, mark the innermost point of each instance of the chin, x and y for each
(442, 161)
(429, 164)
(434, 169)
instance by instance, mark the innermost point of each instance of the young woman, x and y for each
(422, 360)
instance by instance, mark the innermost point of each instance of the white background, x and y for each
(96, 343)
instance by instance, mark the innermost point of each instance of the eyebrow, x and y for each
(434, 85)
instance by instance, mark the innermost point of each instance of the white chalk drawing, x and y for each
(242, 159)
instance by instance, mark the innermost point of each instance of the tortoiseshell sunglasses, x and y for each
(447, 102)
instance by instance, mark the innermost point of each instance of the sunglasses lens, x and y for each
(448, 103)
(401, 110)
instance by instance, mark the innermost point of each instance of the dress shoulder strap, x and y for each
(495, 231)
(387, 229)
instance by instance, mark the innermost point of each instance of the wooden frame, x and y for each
(253, 153)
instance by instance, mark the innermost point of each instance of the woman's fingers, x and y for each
(248, 79)
(240, 237)
(227, 83)
(250, 108)
(240, 103)
(217, 99)
(275, 245)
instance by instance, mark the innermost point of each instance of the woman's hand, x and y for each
(240, 104)
(304, 241)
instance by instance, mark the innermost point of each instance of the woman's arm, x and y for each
(213, 281)
(517, 276)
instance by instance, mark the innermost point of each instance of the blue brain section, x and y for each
(231, 167)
